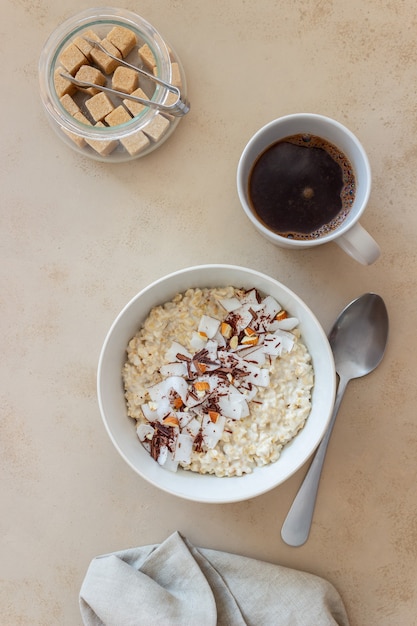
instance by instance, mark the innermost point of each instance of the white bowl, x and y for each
(186, 484)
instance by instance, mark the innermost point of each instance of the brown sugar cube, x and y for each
(156, 129)
(83, 45)
(99, 106)
(100, 58)
(123, 39)
(69, 104)
(118, 116)
(77, 139)
(72, 58)
(80, 117)
(135, 143)
(147, 57)
(136, 107)
(91, 74)
(175, 75)
(104, 147)
(171, 98)
(124, 79)
(62, 85)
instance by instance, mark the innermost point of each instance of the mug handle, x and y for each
(359, 244)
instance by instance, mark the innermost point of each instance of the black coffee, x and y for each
(302, 187)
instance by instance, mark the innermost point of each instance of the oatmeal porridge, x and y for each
(218, 381)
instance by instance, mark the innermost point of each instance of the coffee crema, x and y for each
(302, 187)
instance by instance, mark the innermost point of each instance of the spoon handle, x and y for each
(296, 527)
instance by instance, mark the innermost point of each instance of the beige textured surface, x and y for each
(79, 239)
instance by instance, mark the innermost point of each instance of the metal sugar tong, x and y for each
(178, 108)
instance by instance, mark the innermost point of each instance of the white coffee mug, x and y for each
(349, 235)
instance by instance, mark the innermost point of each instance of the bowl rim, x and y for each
(237, 488)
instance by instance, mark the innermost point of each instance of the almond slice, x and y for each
(171, 420)
(201, 385)
(234, 342)
(178, 403)
(226, 330)
(214, 416)
(250, 340)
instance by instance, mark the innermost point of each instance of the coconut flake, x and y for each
(166, 459)
(197, 341)
(184, 418)
(150, 413)
(184, 448)
(270, 307)
(248, 390)
(212, 431)
(234, 405)
(179, 368)
(230, 304)
(173, 350)
(164, 392)
(254, 354)
(262, 379)
(220, 340)
(193, 427)
(250, 297)
(288, 323)
(287, 340)
(258, 376)
(272, 345)
(212, 348)
(145, 432)
(208, 325)
(163, 455)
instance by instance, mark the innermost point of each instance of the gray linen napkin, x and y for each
(177, 584)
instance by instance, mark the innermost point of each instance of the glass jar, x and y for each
(94, 122)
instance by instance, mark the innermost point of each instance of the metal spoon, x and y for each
(358, 340)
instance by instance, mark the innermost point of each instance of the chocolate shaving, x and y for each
(163, 436)
(198, 441)
(233, 320)
(202, 357)
(225, 370)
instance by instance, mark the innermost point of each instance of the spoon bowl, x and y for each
(359, 336)
(358, 340)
